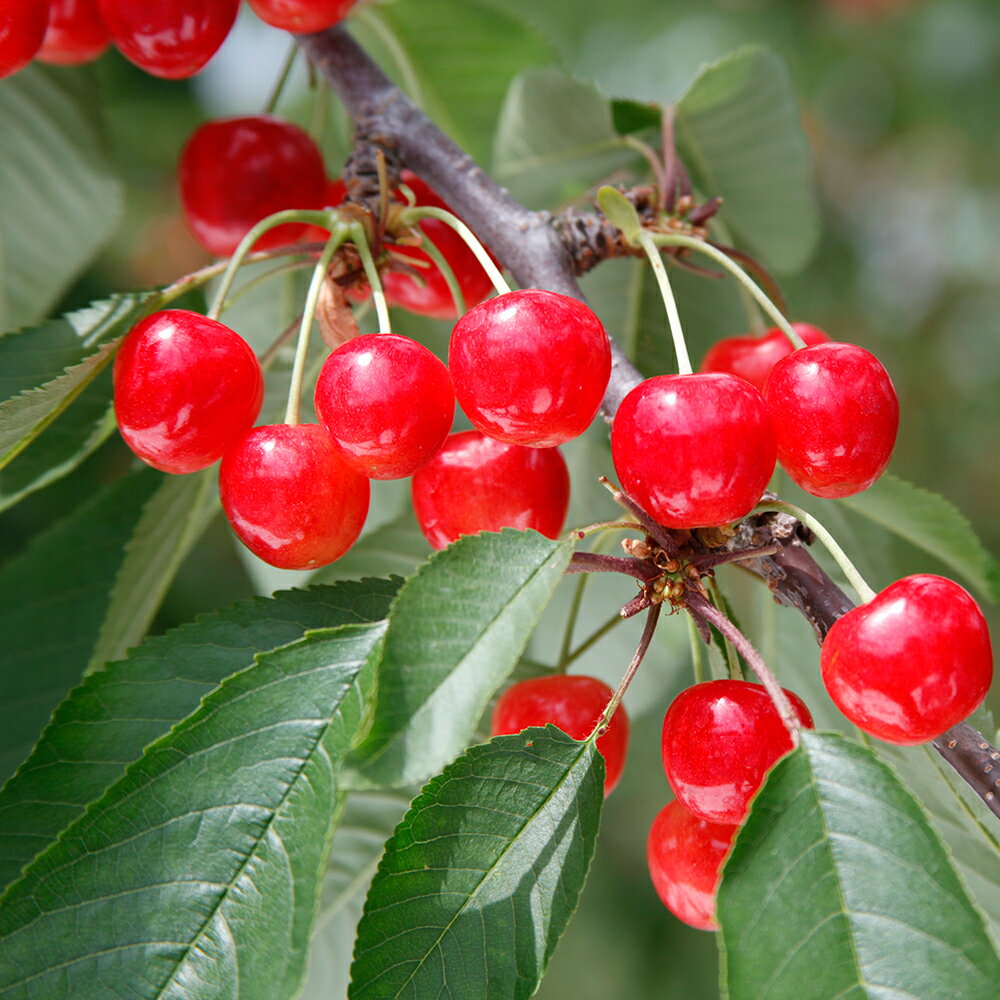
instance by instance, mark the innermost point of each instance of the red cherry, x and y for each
(429, 295)
(720, 739)
(835, 415)
(694, 450)
(22, 28)
(301, 15)
(186, 389)
(530, 367)
(753, 358)
(912, 662)
(76, 33)
(475, 483)
(290, 498)
(573, 703)
(236, 171)
(685, 856)
(387, 402)
(169, 38)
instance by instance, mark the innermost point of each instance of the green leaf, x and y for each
(739, 133)
(837, 886)
(481, 877)
(104, 724)
(619, 211)
(456, 631)
(199, 869)
(58, 199)
(555, 139)
(56, 592)
(933, 524)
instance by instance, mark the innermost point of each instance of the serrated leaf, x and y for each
(199, 868)
(837, 886)
(104, 723)
(933, 524)
(56, 592)
(456, 631)
(59, 201)
(739, 134)
(482, 875)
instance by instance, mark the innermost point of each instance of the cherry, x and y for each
(429, 294)
(186, 388)
(685, 855)
(169, 38)
(912, 662)
(236, 171)
(573, 703)
(76, 33)
(530, 367)
(694, 450)
(301, 15)
(476, 483)
(290, 498)
(22, 28)
(720, 739)
(835, 415)
(753, 358)
(387, 402)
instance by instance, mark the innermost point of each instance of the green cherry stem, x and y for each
(360, 240)
(856, 580)
(279, 86)
(697, 653)
(447, 273)
(413, 214)
(337, 236)
(679, 240)
(656, 260)
(732, 658)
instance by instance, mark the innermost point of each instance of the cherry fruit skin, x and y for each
(235, 171)
(301, 15)
(753, 358)
(476, 483)
(76, 33)
(572, 703)
(530, 367)
(22, 28)
(685, 855)
(912, 662)
(186, 389)
(290, 498)
(719, 740)
(387, 403)
(172, 39)
(694, 450)
(835, 415)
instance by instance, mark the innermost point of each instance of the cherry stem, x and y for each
(697, 653)
(654, 530)
(701, 608)
(589, 642)
(679, 240)
(637, 657)
(732, 658)
(656, 260)
(319, 275)
(856, 580)
(655, 166)
(416, 212)
(447, 273)
(711, 560)
(279, 86)
(360, 240)
(580, 533)
(597, 562)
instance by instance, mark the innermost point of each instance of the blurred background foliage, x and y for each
(899, 101)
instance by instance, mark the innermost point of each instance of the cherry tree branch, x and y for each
(542, 250)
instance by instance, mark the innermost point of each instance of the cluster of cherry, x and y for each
(172, 39)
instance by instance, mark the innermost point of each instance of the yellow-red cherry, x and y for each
(476, 483)
(387, 403)
(22, 28)
(530, 367)
(719, 740)
(172, 39)
(912, 662)
(694, 450)
(76, 34)
(301, 15)
(685, 855)
(835, 416)
(572, 703)
(186, 388)
(235, 171)
(290, 498)
(753, 358)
